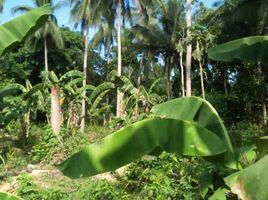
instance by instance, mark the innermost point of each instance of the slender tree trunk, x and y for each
(138, 5)
(119, 103)
(83, 109)
(225, 82)
(25, 128)
(136, 110)
(45, 54)
(189, 50)
(202, 80)
(182, 76)
(262, 91)
(55, 111)
(168, 78)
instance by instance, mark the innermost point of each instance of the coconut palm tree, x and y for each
(189, 49)
(49, 29)
(160, 35)
(85, 13)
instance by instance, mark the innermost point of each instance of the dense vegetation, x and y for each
(75, 106)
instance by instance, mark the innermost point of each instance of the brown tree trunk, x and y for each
(83, 109)
(119, 103)
(189, 50)
(55, 111)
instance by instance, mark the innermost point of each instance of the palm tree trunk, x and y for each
(45, 51)
(182, 76)
(202, 80)
(83, 109)
(119, 102)
(168, 78)
(136, 110)
(189, 50)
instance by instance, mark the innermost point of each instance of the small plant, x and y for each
(46, 146)
(26, 185)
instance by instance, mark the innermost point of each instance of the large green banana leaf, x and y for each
(139, 139)
(252, 182)
(181, 136)
(14, 31)
(248, 49)
(7, 196)
(197, 110)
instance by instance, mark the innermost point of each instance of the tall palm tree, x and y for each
(189, 50)
(86, 14)
(49, 29)
(161, 33)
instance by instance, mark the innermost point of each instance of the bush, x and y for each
(45, 144)
(165, 177)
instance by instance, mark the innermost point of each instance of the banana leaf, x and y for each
(252, 182)
(181, 136)
(249, 49)
(15, 31)
(7, 196)
(139, 139)
(199, 111)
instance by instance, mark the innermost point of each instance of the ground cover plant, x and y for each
(162, 100)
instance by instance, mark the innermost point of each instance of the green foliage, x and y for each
(7, 196)
(17, 29)
(251, 182)
(26, 185)
(178, 135)
(165, 177)
(250, 49)
(46, 144)
(203, 114)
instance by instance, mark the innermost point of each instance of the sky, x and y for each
(61, 14)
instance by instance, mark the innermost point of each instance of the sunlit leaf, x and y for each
(14, 31)
(252, 182)
(249, 49)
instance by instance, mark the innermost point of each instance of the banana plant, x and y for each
(188, 126)
(71, 93)
(15, 31)
(19, 101)
(137, 96)
(250, 183)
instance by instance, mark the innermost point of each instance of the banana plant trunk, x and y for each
(25, 128)
(83, 109)
(119, 103)
(189, 50)
(56, 118)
